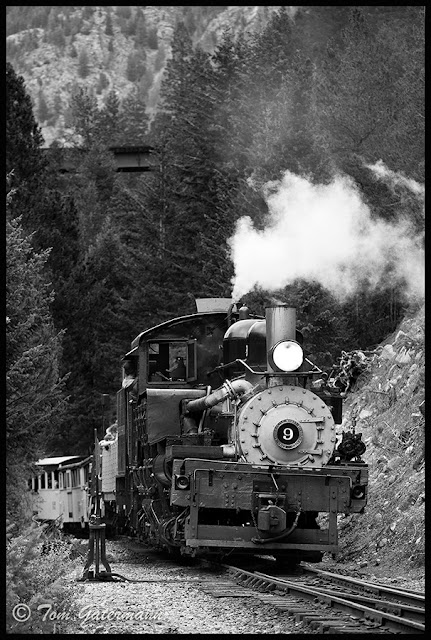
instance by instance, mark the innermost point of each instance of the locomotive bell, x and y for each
(243, 313)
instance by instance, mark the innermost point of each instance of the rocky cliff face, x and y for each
(45, 45)
(52, 73)
(387, 406)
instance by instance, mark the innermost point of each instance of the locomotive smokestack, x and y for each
(280, 325)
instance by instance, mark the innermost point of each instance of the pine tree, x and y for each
(24, 158)
(190, 187)
(123, 11)
(357, 88)
(56, 228)
(141, 33)
(25, 162)
(42, 110)
(94, 182)
(402, 146)
(131, 70)
(273, 50)
(102, 83)
(136, 65)
(57, 108)
(134, 120)
(34, 390)
(108, 27)
(108, 120)
(362, 110)
(76, 235)
(85, 114)
(57, 38)
(52, 21)
(130, 27)
(152, 41)
(99, 331)
(83, 63)
(88, 12)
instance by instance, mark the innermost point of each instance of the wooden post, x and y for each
(96, 541)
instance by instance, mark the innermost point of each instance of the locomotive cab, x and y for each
(224, 444)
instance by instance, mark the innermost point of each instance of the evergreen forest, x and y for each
(96, 257)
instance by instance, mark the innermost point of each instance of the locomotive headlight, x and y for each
(182, 482)
(286, 355)
(358, 493)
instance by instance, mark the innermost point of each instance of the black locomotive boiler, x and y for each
(225, 443)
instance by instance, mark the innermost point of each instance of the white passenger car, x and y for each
(61, 492)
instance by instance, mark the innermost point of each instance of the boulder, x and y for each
(403, 357)
(388, 352)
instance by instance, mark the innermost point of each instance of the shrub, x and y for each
(35, 572)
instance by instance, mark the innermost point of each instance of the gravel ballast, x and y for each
(171, 601)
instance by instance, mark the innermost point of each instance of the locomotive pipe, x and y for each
(232, 390)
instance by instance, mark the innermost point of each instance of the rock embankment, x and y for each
(387, 405)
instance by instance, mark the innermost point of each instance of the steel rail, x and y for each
(400, 609)
(354, 609)
(405, 595)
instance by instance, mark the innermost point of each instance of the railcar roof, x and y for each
(79, 463)
(54, 461)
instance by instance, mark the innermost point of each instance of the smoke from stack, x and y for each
(325, 233)
(394, 178)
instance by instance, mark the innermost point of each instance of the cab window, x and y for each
(171, 361)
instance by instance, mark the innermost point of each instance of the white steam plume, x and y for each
(394, 178)
(324, 233)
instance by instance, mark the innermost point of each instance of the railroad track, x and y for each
(329, 603)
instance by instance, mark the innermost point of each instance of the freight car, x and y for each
(60, 491)
(226, 442)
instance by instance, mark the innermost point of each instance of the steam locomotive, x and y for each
(226, 442)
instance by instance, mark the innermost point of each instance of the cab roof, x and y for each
(170, 323)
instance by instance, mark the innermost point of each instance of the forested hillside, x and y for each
(60, 49)
(290, 165)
